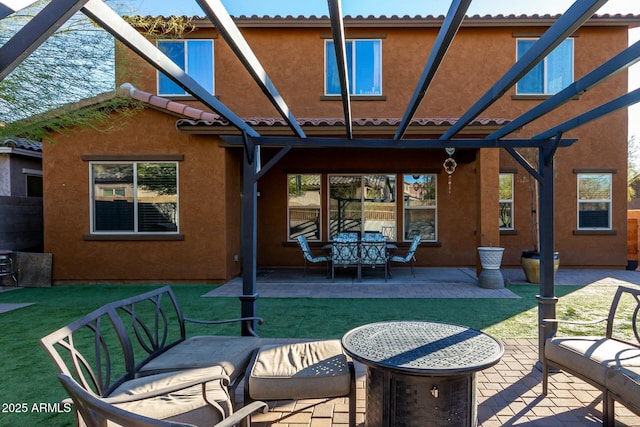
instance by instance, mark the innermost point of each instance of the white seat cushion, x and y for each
(591, 356)
(314, 369)
(187, 405)
(232, 353)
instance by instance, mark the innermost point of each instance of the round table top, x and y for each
(422, 348)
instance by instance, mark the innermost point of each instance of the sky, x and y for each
(403, 7)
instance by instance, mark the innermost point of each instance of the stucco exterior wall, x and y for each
(210, 175)
(200, 256)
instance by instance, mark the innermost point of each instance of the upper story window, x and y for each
(549, 76)
(364, 68)
(134, 197)
(594, 201)
(195, 57)
(506, 201)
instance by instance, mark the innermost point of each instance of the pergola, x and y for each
(57, 12)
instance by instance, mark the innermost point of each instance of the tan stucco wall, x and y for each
(203, 174)
(294, 59)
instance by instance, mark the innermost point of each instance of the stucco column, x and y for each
(487, 199)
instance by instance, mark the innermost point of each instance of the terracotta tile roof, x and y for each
(21, 143)
(196, 120)
(416, 20)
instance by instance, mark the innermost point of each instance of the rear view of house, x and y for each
(160, 197)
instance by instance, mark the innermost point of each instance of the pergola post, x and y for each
(249, 227)
(546, 299)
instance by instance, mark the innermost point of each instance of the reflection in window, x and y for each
(506, 201)
(364, 67)
(195, 57)
(134, 197)
(419, 198)
(552, 74)
(304, 206)
(594, 201)
(362, 203)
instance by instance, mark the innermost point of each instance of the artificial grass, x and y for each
(29, 377)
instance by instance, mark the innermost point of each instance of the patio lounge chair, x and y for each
(374, 254)
(410, 257)
(97, 412)
(308, 256)
(344, 254)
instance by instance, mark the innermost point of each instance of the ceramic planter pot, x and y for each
(490, 257)
(530, 262)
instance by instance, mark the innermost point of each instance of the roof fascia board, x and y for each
(125, 33)
(617, 20)
(20, 152)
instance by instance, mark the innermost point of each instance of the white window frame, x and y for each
(186, 62)
(545, 77)
(581, 201)
(352, 78)
(434, 208)
(318, 208)
(509, 201)
(135, 198)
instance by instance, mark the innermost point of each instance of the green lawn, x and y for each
(29, 377)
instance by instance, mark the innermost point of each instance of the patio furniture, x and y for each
(308, 256)
(305, 370)
(344, 254)
(347, 236)
(97, 412)
(139, 345)
(410, 256)
(7, 265)
(373, 236)
(609, 362)
(421, 373)
(374, 254)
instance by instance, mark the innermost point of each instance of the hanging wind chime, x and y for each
(450, 165)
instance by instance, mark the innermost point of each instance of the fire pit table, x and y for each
(421, 374)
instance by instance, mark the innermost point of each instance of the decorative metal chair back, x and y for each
(373, 253)
(345, 253)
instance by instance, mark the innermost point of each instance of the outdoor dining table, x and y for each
(421, 373)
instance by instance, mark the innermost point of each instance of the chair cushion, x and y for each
(302, 370)
(232, 353)
(187, 405)
(591, 356)
(625, 383)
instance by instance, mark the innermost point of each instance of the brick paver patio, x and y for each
(509, 394)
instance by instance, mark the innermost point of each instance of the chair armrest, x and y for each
(574, 322)
(237, 417)
(176, 387)
(549, 323)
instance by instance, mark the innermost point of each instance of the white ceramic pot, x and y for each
(490, 257)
